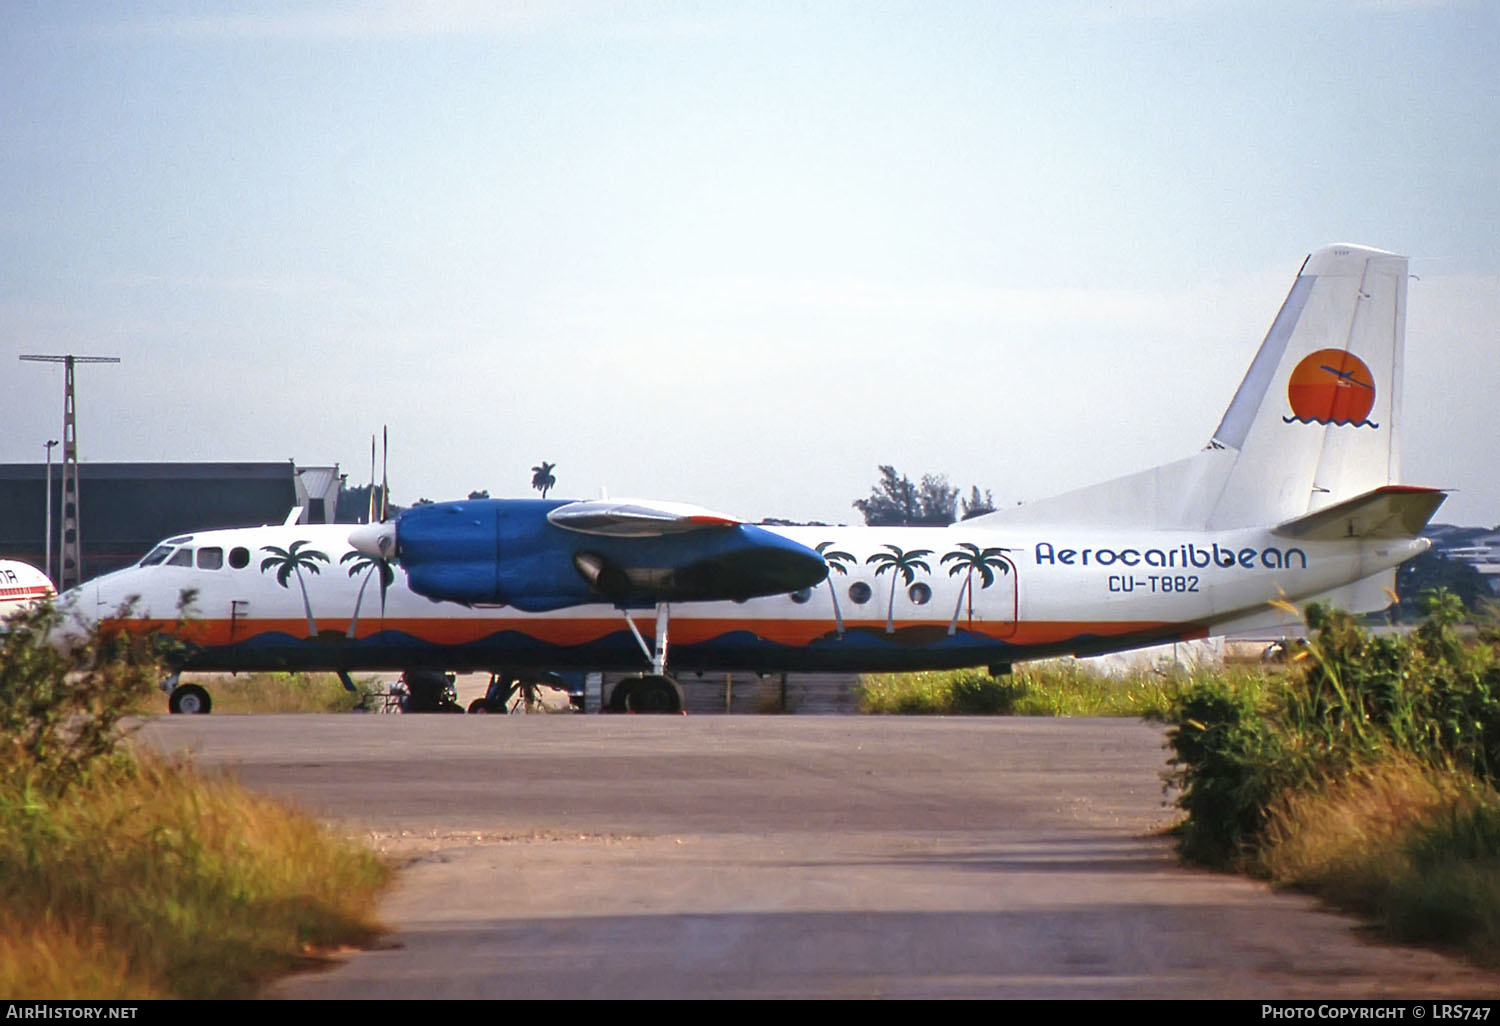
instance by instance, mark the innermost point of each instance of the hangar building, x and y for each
(125, 508)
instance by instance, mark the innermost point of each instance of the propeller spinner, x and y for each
(378, 541)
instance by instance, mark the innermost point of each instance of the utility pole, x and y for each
(48, 534)
(71, 570)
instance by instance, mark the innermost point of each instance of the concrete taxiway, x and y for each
(604, 857)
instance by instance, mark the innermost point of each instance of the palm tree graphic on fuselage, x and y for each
(970, 559)
(902, 564)
(369, 566)
(835, 560)
(290, 561)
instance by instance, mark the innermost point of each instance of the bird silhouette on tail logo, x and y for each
(1331, 386)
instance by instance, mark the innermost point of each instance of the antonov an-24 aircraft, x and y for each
(1296, 497)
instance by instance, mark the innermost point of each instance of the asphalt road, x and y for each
(701, 857)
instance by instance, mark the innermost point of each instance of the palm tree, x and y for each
(902, 564)
(835, 560)
(368, 565)
(542, 480)
(293, 561)
(967, 559)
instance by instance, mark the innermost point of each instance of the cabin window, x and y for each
(919, 593)
(210, 558)
(182, 557)
(239, 557)
(156, 555)
(802, 596)
(859, 593)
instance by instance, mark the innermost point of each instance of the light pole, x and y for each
(48, 542)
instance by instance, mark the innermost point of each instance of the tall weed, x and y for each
(63, 696)
(123, 876)
(1410, 845)
(1351, 700)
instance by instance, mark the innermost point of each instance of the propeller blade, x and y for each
(370, 516)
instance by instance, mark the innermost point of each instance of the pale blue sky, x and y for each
(727, 253)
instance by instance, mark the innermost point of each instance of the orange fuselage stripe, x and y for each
(566, 632)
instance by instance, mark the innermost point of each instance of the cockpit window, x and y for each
(182, 557)
(210, 558)
(156, 555)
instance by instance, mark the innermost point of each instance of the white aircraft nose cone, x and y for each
(378, 541)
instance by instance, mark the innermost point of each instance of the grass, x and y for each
(1061, 689)
(1412, 847)
(259, 693)
(1365, 774)
(123, 875)
(152, 880)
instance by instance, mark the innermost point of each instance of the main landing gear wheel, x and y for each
(650, 694)
(190, 700)
(429, 691)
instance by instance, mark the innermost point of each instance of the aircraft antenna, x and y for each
(71, 570)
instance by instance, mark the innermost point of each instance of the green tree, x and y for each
(369, 566)
(835, 560)
(294, 560)
(542, 479)
(893, 500)
(976, 505)
(969, 559)
(902, 564)
(356, 503)
(1433, 570)
(939, 500)
(896, 501)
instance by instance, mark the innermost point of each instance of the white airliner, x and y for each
(1297, 496)
(21, 584)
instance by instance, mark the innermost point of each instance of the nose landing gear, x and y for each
(190, 700)
(654, 692)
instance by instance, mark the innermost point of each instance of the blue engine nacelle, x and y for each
(506, 552)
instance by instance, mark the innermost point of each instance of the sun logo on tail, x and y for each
(1331, 386)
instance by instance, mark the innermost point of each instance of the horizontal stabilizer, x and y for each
(636, 518)
(1393, 511)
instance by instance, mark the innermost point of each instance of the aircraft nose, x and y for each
(78, 615)
(378, 541)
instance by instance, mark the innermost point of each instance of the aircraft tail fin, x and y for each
(1315, 421)
(1313, 424)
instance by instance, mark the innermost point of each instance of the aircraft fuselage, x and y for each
(894, 599)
